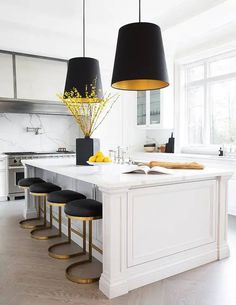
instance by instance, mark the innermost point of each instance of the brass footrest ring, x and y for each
(80, 280)
(62, 255)
(25, 225)
(43, 237)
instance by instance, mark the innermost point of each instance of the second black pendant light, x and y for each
(83, 73)
(140, 59)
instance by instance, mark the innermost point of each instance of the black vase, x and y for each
(85, 148)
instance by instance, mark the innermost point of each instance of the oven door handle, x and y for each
(16, 167)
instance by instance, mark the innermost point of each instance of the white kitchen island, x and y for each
(153, 226)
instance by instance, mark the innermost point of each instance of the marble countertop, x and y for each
(156, 155)
(111, 176)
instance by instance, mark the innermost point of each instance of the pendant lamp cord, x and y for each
(83, 28)
(139, 10)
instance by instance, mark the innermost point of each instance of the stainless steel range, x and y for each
(16, 168)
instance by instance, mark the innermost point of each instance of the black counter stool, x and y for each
(25, 184)
(59, 199)
(84, 210)
(41, 190)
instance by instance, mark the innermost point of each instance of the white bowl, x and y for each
(99, 163)
(149, 148)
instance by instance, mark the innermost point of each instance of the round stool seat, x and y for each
(62, 197)
(84, 208)
(27, 182)
(44, 188)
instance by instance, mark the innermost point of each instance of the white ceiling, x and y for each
(54, 27)
(217, 24)
(102, 15)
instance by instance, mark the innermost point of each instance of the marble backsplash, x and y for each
(159, 136)
(55, 131)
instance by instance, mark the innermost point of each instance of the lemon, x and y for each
(106, 159)
(99, 154)
(99, 159)
(92, 159)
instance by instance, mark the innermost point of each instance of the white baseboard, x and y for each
(232, 211)
(224, 252)
(113, 291)
(3, 198)
(157, 274)
(150, 275)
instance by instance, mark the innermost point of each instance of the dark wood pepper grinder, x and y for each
(221, 153)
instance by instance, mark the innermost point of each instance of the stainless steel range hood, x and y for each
(29, 83)
(33, 107)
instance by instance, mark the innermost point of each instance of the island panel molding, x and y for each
(193, 227)
(223, 248)
(154, 226)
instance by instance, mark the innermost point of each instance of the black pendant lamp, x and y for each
(140, 59)
(83, 73)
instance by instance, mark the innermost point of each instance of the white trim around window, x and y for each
(204, 58)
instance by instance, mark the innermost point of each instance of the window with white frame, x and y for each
(210, 100)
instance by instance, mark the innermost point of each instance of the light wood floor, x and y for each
(28, 276)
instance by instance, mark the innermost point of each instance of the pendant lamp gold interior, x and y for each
(140, 84)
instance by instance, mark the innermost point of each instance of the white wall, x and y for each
(119, 128)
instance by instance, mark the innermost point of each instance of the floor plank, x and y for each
(28, 276)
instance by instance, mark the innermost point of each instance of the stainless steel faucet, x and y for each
(118, 155)
(33, 129)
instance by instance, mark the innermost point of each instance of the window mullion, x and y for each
(207, 109)
(147, 108)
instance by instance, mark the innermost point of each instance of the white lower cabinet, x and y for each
(232, 196)
(3, 185)
(3, 179)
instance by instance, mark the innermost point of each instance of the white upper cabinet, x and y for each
(149, 109)
(39, 79)
(6, 76)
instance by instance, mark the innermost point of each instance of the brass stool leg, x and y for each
(52, 249)
(59, 220)
(69, 269)
(24, 223)
(90, 240)
(69, 229)
(84, 236)
(39, 208)
(44, 211)
(45, 227)
(50, 208)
